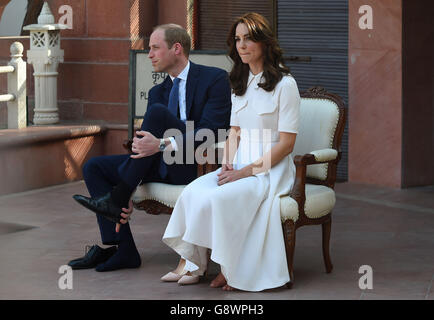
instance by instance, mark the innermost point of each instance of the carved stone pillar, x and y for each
(45, 55)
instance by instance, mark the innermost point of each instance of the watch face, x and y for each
(162, 145)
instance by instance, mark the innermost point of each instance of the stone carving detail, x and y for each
(38, 39)
(54, 38)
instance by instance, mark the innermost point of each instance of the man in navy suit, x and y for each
(191, 92)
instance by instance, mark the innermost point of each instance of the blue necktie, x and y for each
(174, 97)
(173, 108)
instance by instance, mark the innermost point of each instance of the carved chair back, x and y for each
(321, 127)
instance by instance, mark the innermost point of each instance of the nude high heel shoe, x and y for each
(175, 275)
(172, 276)
(187, 278)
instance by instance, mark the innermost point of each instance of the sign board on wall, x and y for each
(143, 78)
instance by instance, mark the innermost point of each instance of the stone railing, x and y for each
(16, 96)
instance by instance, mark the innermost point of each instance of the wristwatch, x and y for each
(162, 145)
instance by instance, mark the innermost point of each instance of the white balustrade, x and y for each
(6, 69)
(7, 97)
(16, 96)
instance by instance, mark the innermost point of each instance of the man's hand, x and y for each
(145, 146)
(126, 215)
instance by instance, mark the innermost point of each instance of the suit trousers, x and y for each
(102, 173)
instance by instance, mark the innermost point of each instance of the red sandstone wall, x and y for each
(93, 80)
(172, 11)
(375, 94)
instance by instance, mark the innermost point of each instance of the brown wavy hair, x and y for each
(274, 67)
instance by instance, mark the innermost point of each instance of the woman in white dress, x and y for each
(235, 210)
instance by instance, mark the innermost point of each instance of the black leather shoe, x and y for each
(104, 206)
(93, 257)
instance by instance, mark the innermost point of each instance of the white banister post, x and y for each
(17, 113)
(45, 55)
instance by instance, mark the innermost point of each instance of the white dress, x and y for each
(240, 221)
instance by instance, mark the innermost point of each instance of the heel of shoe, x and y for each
(186, 280)
(171, 277)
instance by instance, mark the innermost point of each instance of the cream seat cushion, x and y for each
(320, 200)
(167, 194)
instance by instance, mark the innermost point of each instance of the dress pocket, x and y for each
(267, 113)
(266, 107)
(238, 104)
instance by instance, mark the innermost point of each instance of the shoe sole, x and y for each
(84, 204)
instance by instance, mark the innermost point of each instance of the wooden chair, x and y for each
(312, 198)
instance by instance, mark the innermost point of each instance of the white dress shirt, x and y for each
(182, 99)
(182, 91)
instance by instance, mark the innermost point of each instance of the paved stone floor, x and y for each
(390, 230)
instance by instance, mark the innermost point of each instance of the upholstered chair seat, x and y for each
(162, 193)
(320, 200)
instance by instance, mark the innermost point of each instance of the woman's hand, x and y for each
(126, 215)
(228, 174)
(227, 167)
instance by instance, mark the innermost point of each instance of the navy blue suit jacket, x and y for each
(208, 102)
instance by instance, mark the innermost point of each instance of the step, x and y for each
(42, 156)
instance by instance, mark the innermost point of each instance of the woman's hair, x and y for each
(174, 33)
(274, 67)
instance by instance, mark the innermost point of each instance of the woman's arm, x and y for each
(274, 156)
(231, 145)
(268, 160)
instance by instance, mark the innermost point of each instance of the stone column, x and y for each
(45, 55)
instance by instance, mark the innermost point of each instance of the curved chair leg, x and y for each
(289, 238)
(326, 230)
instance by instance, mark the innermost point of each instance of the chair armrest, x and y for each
(324, 155)
(298, 192)
(298, 189)
(207, 167)
(128, 144)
